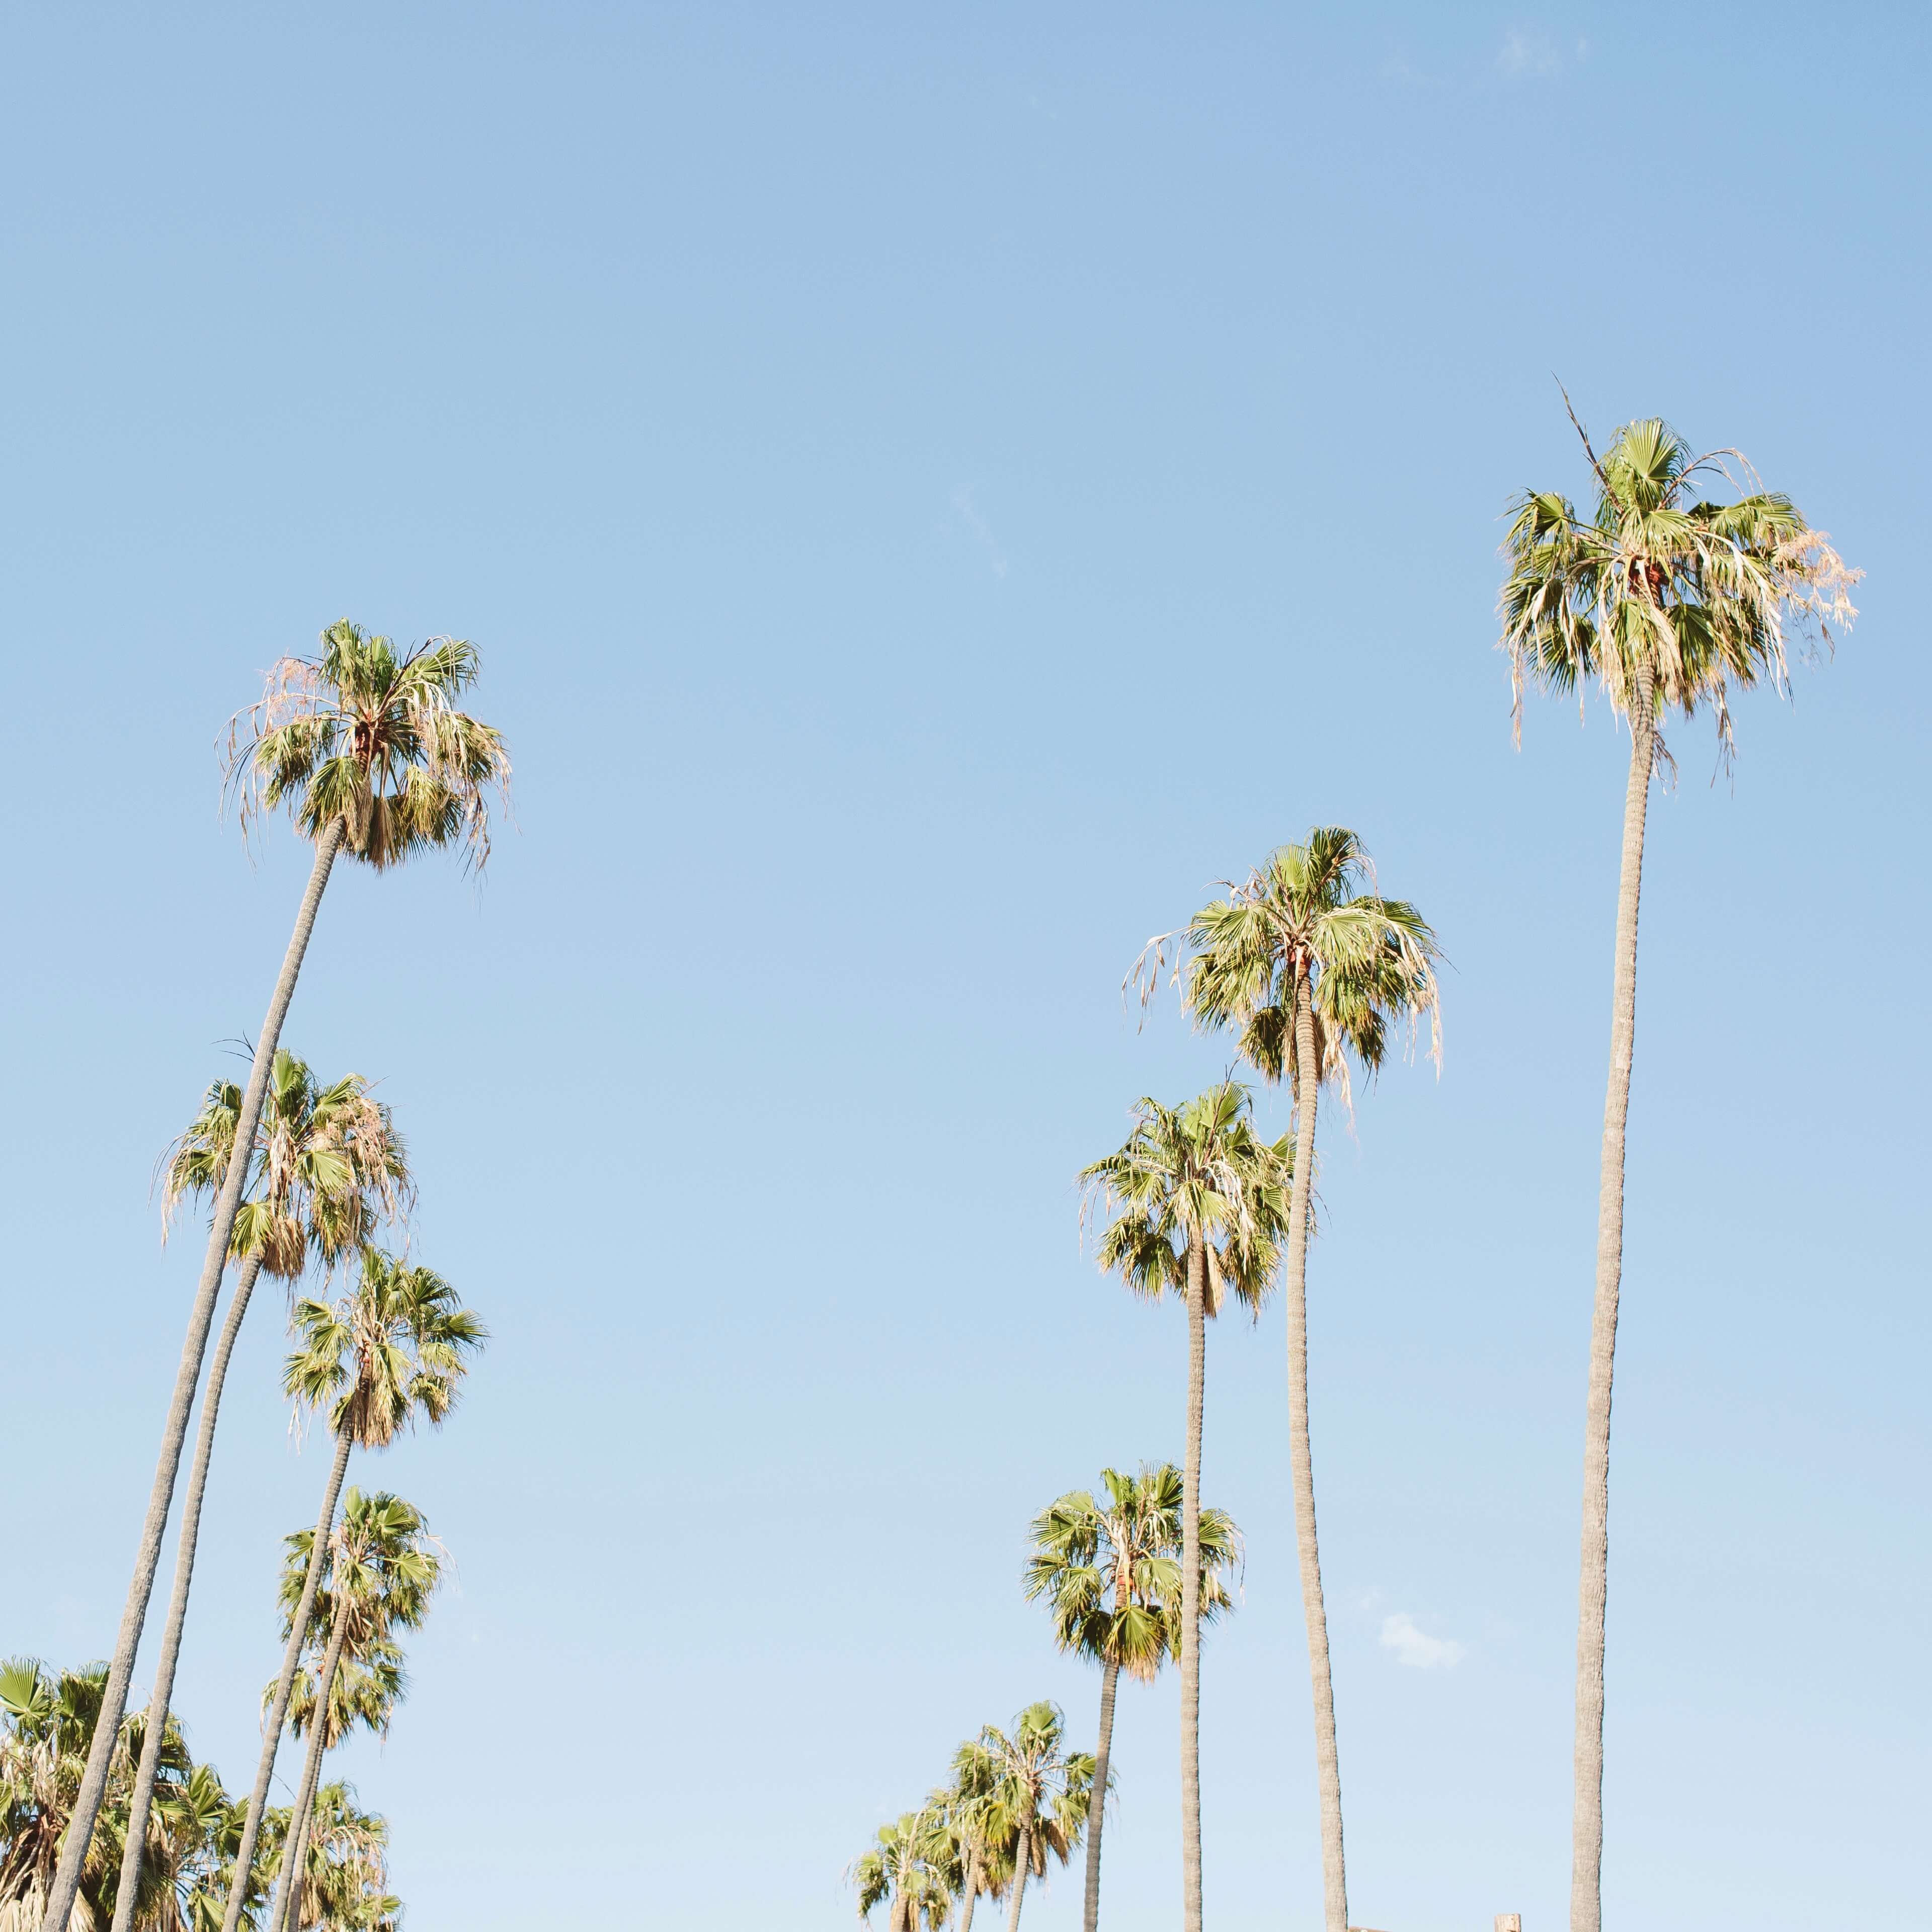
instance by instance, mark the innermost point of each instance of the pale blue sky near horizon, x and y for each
(935, 491)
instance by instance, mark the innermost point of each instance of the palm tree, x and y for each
(1311, 969)
(345, 1879)
(1197, 1201)
(366, 744)
(1111, 1573)
(985, 1846)
(1665, 605)
(396, 1348)
(328, 1163)
(1040, 1796)
(911, 1869)
(47, 1721)
(383, 1570)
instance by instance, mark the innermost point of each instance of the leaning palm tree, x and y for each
(1110, 1572)
(910, 1870)
(1311, 969)
(383, 1568)
(328, 1165)
(1198, 1201)
(365, 743)
(1041, 1793)
(1665, 604)
(395, 1349)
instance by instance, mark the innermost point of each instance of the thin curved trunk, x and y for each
(143, 1800)
(80, 1833)
(1301, 1463)
(972, 1897)
(278, 1711)
(1586, 1850)
(1020, 1868)
(1190, 1591)
(1097, 1803)
(286, 1910)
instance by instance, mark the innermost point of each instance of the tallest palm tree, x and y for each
(1666, 604)
(364, 743)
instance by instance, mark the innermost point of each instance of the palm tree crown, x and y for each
(371, 735)
(1111, 1570)
(912, 1869)
(1040, 1789)
(395, 1349)
(1304, 920)
(1198, 1172)
(328, 1165)
(1662, 601)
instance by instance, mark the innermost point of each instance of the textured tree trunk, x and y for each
(1097, 1804)
(285, 1916)
(1190, 1592)
(972, 1897)
(174, 1436)
(1020, 1873)
(143, 1800)
(278, 1711)
(1586, 1855)
(1301, 1462)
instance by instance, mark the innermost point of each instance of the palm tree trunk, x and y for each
(972, 1897)
(1020, 1870)
(1190, 1591)
(164, 1669)
(1586, 1852)
(284, 1912)
(1097, 1804)
(174, 1436)
(278, 1711)
(1301, 1464)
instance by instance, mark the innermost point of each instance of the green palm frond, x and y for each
(371, 736)
(396, 1348)
(1110, 1570)
(1195, 1173)
(1659, 599)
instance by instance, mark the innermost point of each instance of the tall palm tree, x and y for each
(911, 1870)
(1665, 604)
(395, 1349)
(1040, 1795)
(328, 1165)
(383, 1569)
(1198, 1201)
(366, 745)
(1111, 1573)
(1311, 969)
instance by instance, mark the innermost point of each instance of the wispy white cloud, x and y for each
(968, 513)
(1414, 1647)
(1532, 53)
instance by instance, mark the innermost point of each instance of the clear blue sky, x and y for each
(935, 490)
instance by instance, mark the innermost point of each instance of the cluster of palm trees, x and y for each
(366, 745)
(48, 1721)
(1109, 1569)
(1668, 603)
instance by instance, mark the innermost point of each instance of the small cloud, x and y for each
(968, 513)
(1413, 1648)
(1533, 54)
